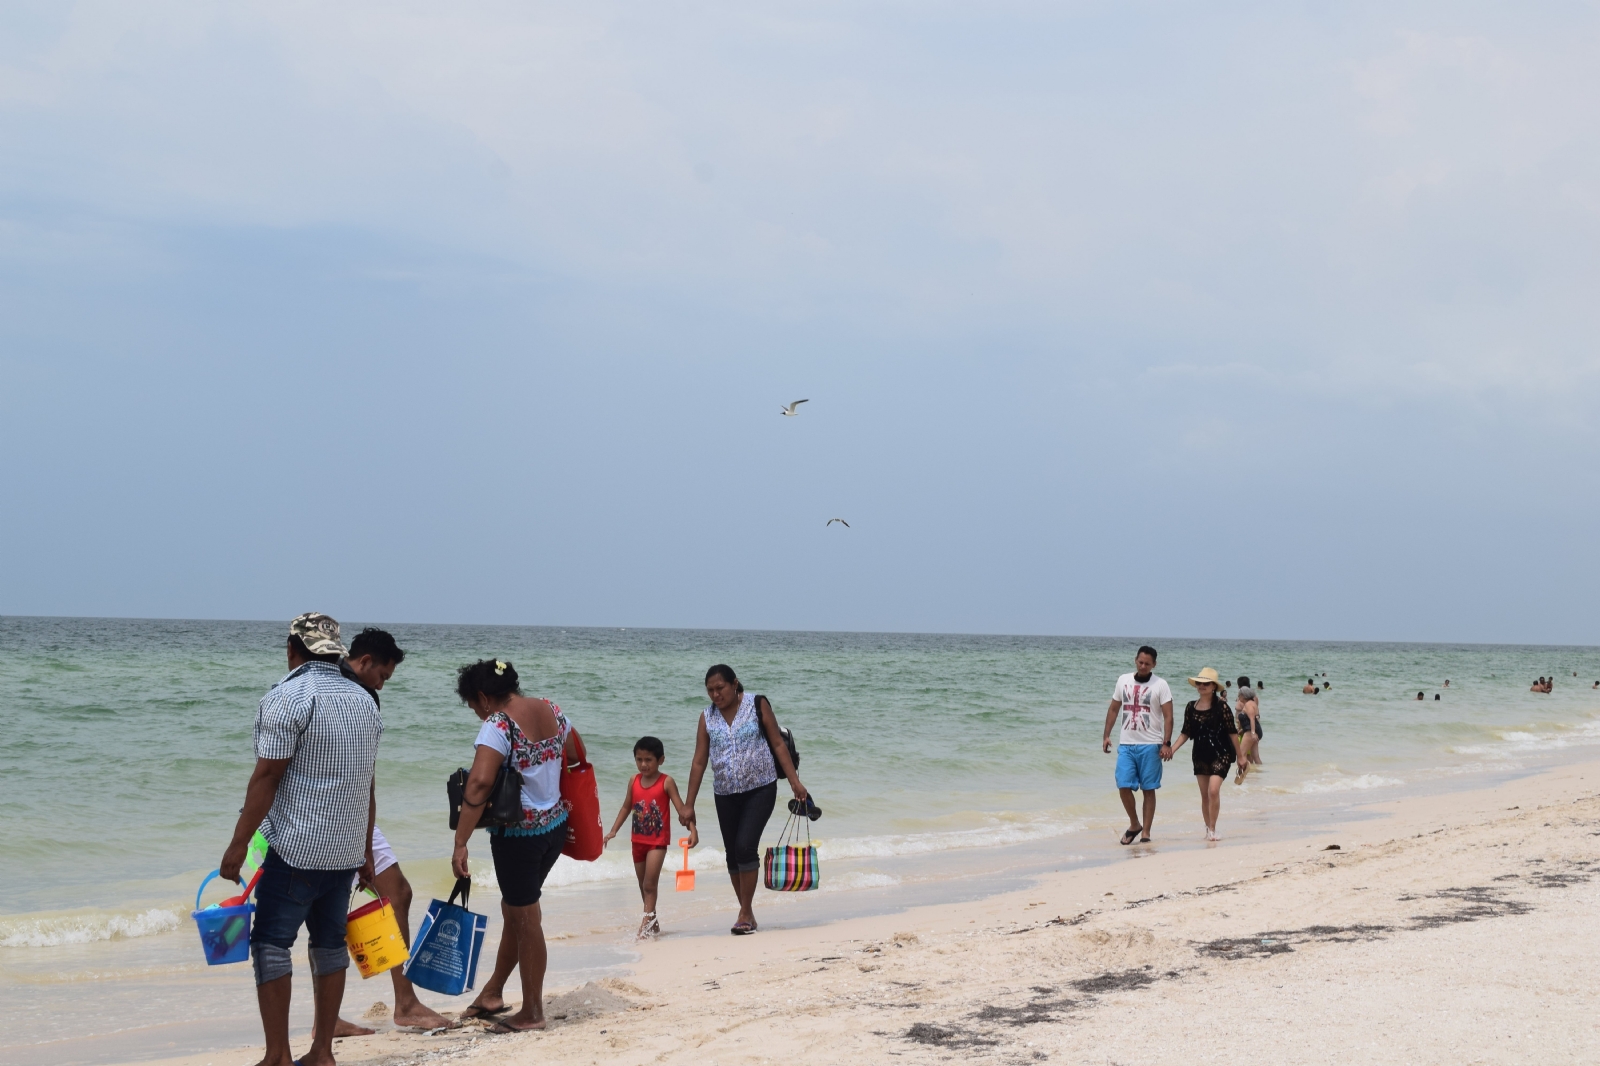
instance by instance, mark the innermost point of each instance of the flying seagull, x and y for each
(841, 521)
(790, 412)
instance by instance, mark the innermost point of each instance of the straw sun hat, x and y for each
(1207, 674)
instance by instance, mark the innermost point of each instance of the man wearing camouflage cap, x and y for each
(316, 741)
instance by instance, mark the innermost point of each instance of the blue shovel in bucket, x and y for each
(224, 931)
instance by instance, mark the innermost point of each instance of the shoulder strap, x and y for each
(511, 735)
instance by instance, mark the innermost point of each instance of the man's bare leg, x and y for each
(1149, 813)
(1133, 811)
(408, 1009)
(273, 999)
(328, 991)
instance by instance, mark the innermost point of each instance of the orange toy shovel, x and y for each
(685, 875)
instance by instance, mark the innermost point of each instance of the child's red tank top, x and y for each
(650, 813)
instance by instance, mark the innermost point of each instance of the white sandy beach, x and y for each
(1456, 928)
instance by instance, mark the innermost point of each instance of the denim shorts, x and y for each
(287, 898)
(1139, 766)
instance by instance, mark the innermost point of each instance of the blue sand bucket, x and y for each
(224, 931)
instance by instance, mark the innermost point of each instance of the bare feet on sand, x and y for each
(416, 1016)
(517, 1023)
(344, 1029)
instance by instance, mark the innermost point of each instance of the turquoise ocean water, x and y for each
(125, 748)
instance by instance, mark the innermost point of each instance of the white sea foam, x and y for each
(1347, 784)
(879, 847)
(85, 928)
(1518, 740)
(858, 879)
(616, 864)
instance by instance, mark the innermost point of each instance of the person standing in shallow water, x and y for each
(1210, 724)
(738, 736)
(1144, 703)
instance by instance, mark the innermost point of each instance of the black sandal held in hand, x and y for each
(813, 812)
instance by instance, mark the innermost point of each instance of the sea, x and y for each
(946, 766)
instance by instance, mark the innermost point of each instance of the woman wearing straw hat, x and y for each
(1210, 724)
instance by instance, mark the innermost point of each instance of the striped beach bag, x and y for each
(789, 867)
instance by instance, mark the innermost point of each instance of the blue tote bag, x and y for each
(444, 957)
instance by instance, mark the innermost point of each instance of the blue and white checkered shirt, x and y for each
(328, 727)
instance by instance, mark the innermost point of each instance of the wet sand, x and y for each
(1450, 928)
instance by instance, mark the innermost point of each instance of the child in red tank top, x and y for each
(648, 795)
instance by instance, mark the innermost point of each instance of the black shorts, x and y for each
(521, 863)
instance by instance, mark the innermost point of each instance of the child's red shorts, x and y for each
(641, 849)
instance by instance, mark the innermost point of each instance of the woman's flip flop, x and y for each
(476, 1011)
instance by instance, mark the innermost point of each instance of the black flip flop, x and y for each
(473, 1011)
(1128, 837)
(742, 929)
(812, 811)
(500, 1028)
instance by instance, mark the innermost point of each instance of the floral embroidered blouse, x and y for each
(741, 759)
(539, 761)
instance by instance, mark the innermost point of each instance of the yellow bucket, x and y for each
(374, 937)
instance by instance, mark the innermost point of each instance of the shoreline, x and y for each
(1430, 901)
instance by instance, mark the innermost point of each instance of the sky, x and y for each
(1254, 320)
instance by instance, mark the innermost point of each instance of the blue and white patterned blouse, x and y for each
(741, 760)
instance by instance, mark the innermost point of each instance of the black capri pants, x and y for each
(742, 817)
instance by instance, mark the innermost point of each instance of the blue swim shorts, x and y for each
(1139, 766)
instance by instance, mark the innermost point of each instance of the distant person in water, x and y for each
(1419, 695)
(1311, 688)
(1211, 725)
(1144, 703)
(1249, 710)
(371, 663)
(1447, 682)
(1435, 695)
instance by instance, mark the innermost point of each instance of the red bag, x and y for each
(586, 836)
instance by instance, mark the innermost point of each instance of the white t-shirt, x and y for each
(1142, 721)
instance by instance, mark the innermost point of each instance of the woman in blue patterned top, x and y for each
(738, 735)
(539, 739)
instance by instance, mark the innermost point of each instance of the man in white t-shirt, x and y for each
(1144, 703)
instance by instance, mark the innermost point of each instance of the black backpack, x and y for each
(788, 739)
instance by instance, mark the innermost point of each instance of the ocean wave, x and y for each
(1347, 784)
(85, 928)
(882, 847)
(858, 879)
(614, 866)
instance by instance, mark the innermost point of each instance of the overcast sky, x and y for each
(1179, 319)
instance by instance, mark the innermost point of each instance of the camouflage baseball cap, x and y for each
(318, 632)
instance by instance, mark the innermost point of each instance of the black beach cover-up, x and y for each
(1209, 733)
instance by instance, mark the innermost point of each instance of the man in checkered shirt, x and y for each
(312, 795)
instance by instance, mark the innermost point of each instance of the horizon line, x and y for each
(830, 632)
